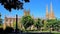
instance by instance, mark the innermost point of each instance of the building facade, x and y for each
(8, 21)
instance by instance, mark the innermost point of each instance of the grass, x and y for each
(1, 26)
(53, 32)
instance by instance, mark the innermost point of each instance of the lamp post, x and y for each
(16, 23)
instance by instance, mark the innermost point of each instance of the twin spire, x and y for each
(51, 14)
(48, 15)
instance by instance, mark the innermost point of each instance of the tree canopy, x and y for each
(55, 24)
(15, 4)
(27, 21)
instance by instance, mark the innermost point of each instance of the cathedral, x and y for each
(51, 14)
(8, 21)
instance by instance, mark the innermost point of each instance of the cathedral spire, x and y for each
(47, 15)
(51, 7)
(51, 15)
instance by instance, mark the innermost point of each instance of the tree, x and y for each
(15, 4)
(1, 21)
(57, 25)
(9, 29)
(14, 25)
(54, 23)
(27, 21)
(38, 24)
(51, 23)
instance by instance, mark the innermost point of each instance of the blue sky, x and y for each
(37, 8)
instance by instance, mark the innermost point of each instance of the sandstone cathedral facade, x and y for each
(8, 21)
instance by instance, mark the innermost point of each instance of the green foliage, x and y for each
(46, 24)
(50, 23)
(1, 22)
(54, 23)
(38, 23)
(14, 25)
(27, 21)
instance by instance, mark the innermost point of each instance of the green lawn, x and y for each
(53, 32)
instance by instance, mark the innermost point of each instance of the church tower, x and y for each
(26, 12)
(51, 15)
(47, 14)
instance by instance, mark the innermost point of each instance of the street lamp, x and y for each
(16, 23)
(15, 4)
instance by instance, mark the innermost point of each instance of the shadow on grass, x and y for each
(11, 30)
(7, 30)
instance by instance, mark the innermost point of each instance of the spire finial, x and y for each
(47, 15)
(47, 8)
(51, 15)
(51, 7)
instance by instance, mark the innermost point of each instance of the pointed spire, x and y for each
(51, 15)
(51, 7)
(47, 15)
(47, 9)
